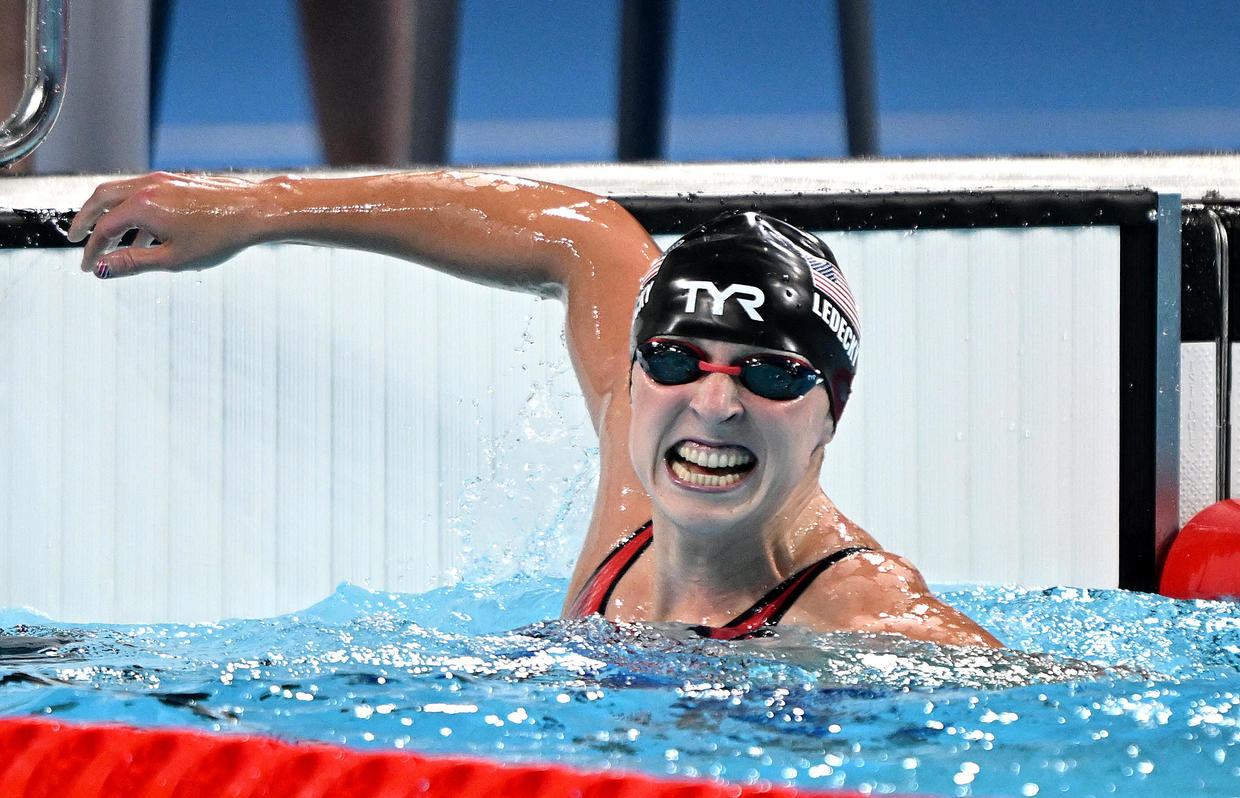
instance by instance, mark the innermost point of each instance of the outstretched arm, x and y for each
(503, 231)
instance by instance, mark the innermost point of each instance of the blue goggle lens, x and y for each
(768, 376)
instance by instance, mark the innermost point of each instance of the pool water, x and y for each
(1104, 692)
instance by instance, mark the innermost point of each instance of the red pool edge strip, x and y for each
(43, 757)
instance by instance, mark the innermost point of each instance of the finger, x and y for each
(128, 260)
(105, 197)
(143, 240)
(99, 245)
(96, 247)
(112, 227)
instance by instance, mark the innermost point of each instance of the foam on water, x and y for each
(1104, 692)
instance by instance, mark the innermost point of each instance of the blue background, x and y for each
(537, 80)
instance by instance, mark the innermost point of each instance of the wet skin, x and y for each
(716, 549)
(780, 442)
(736, 537)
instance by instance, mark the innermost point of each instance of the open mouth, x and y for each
(704, 466)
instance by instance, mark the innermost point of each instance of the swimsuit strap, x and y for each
(770, 609)
(753, 622)
(602, 583)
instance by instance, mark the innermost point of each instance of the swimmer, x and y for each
(714, 374)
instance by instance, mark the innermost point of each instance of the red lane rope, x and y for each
(46, 758)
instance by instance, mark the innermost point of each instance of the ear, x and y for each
(826, 435)
(829, 435)
(829, 426)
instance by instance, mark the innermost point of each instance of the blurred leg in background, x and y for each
(383, 77)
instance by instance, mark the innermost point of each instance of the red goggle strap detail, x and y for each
(705, 365)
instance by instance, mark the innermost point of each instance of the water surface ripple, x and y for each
(1104, 692)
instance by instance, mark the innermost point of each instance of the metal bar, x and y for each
(47, 33)
(902, 210)
(857, 71)
(1166, 333)
(644, 29)
(1149, 400)
(1222, 361)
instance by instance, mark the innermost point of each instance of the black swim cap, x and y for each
(750, 279)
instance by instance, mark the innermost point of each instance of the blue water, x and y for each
(1127, 694)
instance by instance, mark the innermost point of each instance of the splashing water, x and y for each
(526, 514)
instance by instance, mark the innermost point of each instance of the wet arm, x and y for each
(500, 231)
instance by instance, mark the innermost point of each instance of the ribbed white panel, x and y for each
(86, 484)
(239, 441)
(983, 439)
(303, 421)
(197, 391)
(1198, 428)
(1235, 414)
(1199, 425)
(33, 446)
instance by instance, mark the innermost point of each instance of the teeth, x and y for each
(698, 455)
(705, 480)
(712, 457)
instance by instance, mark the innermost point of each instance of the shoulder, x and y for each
(867, 581)
(608, 254)
(611, 241)
(877, 591)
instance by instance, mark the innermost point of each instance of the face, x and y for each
(714, 456)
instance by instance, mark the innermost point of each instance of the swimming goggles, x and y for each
(769, 376)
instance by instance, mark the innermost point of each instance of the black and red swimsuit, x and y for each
(753, 622)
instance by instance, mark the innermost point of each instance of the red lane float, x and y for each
(1204, 559)
(42, 758)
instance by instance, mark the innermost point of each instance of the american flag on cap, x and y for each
(830, 280)
(654, 269)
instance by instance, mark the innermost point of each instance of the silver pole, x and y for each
(47, 33)
(1222, 362)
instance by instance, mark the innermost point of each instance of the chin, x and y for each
(706, 509)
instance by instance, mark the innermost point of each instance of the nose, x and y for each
(716, 398)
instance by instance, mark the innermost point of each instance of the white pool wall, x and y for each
(237, 442)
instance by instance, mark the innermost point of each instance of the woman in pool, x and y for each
(713, 403)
